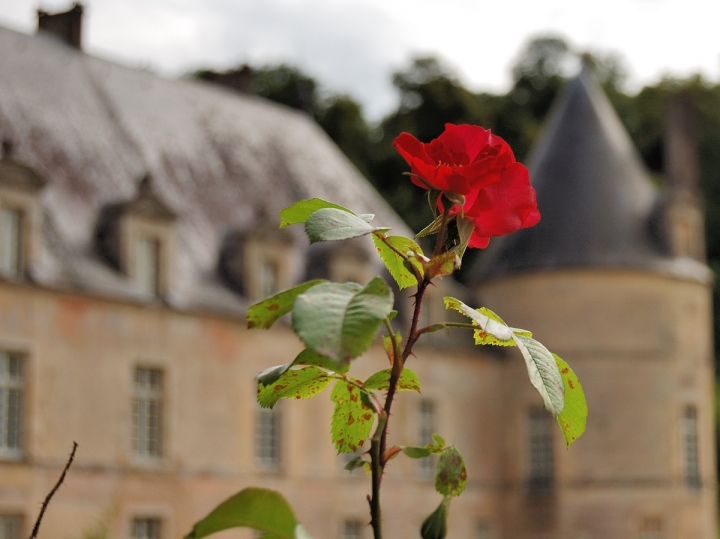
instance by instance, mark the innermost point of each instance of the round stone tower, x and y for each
(613, 280)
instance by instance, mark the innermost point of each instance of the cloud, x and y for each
(348, 47)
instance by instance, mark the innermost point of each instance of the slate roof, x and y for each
(598, 207)
(92, 128)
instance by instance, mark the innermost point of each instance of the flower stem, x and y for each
(441, 234)
(377, 470)
(378, 442)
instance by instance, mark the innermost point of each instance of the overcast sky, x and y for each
(353, 46)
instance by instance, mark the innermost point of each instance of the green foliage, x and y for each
(352, 419)
(492, 326)
(573, 418)
(340, 321)
(264, 314)
(543, 372)
(397, 265)
(293, 384)
(451, 477)
(381, 381)
(542, 369)
(311, 357)
(441, 265)
(258, 508)
(357, 462)
(426, 450)
(435, 525)
(299, 212)
(331, 224)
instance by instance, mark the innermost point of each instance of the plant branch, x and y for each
(36, 528)
(398, 252)
(426, 329)
(441, 234)
(376, 468)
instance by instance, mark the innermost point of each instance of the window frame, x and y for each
(540, 455)
(142, 439)
(691, 447)
(273, 460)
(19, 384)
(19, 239)
(19, 519)
(136, 520)
(426, 408)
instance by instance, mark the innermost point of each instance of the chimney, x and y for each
(685, 212)
(67, 25)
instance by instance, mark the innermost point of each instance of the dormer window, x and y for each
(269, 278)
(137, 238)
(11, 242)
(20, 215)
(147, 267)
(260, 262)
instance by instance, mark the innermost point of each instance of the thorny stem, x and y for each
(378, 442)
(45, 503)
(377, 470)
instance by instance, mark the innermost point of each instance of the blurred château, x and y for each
(138, 222)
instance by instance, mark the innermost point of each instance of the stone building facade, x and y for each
(136, 226)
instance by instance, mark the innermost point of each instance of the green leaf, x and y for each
(543, 372)
(264, 314)
(490, 325)
(293, 384)
(381, 381)
(330, 224)
(340, 321)
(443, 264)
(483, 337)
(439, 440)
(573, 418)
(351, 419)
(435, 525)
(357, 462)
(417, 452)
(300, 211)
(432, 228)
(269, 376)
(396, 264)
(465, 229)
(311, 357)
(451, 475)
(258, 508)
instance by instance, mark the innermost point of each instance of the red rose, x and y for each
(470, 161)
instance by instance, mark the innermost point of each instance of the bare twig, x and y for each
(36, 528)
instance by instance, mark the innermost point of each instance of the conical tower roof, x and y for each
(595, 198)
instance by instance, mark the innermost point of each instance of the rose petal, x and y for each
(506, 205)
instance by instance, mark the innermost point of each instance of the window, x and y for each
(146, 528)
(147, 267)
(540, 446)
(12, 386)
(651, 528)
(426, 428)
(482, 530)
(11, 242)
(269, 278)
(690, 434)
(148, 412)
(352, 529)
(11, 526)
(267, 438)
